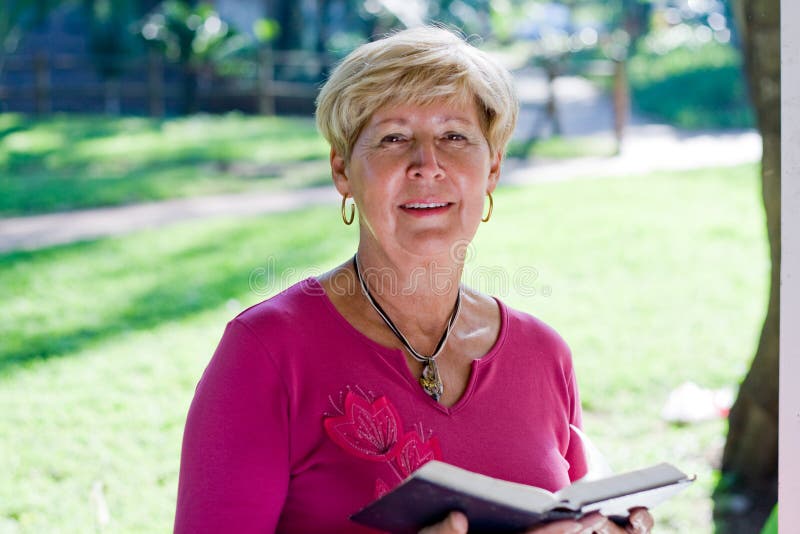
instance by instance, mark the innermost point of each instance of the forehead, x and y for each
(440, 111)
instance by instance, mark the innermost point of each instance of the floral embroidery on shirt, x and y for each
(372, 430)
(412, 452)
(368, 430)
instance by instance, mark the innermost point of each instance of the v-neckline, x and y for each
(396, 358)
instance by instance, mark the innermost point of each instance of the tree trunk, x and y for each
(750, 458)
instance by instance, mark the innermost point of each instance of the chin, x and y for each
(444, 249)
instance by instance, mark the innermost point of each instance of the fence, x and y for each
(267, 82)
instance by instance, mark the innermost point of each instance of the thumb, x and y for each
(455, 523)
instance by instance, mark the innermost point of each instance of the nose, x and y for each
(424, 162)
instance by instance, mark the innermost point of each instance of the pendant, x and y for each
(430, 380)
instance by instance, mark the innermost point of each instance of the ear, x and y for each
(494, 172)
(339, 173)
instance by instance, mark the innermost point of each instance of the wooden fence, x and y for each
(267, 83)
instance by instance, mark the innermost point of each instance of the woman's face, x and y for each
(419, 176)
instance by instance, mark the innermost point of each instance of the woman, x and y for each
(330, 393)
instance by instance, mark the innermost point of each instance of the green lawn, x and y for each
(653, 280)
(70, 162)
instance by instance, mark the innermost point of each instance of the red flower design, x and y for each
(412, 452)
(367, 430)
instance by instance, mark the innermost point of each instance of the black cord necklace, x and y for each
(430, 380)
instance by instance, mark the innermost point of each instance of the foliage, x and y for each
(68, 162)
(102, 342)
(266, 29)
(195, 37)
(700, 86)
(191, 35)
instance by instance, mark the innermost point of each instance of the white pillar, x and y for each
(789, 447)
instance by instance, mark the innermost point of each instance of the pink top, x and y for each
(300, 420)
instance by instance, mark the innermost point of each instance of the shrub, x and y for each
(692, 86)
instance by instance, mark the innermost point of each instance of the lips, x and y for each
(425, 208)
(424, 205)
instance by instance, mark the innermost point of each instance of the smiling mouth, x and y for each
(425, 205)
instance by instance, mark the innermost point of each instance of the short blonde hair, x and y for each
(415, 66)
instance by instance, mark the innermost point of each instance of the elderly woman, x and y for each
(332, 392)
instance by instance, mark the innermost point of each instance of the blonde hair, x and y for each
(415, 66)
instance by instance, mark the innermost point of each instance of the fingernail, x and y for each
(638, 524)
(458, 521)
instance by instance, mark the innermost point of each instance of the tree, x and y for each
(750, 458)
(109, 43)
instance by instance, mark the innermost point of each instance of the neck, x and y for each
(411, 277)
(418, 297)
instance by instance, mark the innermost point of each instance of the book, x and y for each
(492, 505)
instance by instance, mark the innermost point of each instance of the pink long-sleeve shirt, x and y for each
(300, 420)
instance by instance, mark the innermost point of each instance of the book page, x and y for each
(621, 506)
(581, 494)
(513, 494)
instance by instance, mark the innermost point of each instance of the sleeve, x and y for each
(235, 458)
(576, 456)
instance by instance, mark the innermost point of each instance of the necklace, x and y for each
(430, 380)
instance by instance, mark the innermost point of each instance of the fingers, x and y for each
(641, 522)
(455, 523)
(595, 523)
(559, 527)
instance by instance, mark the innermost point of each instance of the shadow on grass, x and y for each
(193, 280)
(44, 192)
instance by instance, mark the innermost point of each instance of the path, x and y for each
(583, 111)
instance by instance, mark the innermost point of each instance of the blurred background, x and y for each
(160, 171)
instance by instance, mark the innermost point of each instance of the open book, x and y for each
(493, 505)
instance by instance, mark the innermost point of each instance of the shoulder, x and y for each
(302, 302)
(259, 339)
(526, 332)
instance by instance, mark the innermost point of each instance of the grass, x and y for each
(653, 280)
(70, 162)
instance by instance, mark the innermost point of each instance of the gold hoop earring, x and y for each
(491, 207)
(348, 220)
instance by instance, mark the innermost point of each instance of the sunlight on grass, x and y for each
(34, 142)
(9, 121)
(652, 280)
(73, 162)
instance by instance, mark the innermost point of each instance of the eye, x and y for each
(392, 139)
(455, 137)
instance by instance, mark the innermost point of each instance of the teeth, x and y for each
(423, 205)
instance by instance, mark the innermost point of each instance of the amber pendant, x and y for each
(430, 380)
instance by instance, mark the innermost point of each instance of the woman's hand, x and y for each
(639, 522)
(455, 523)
